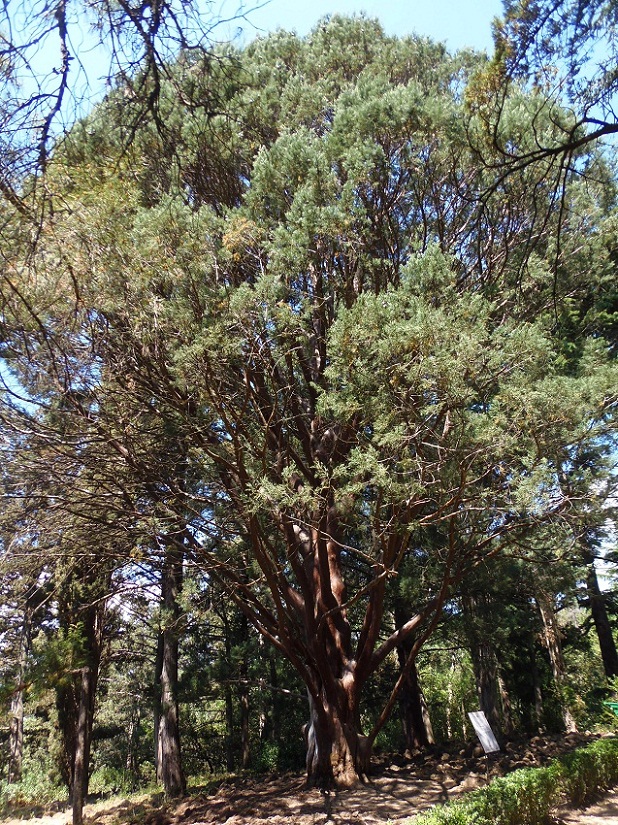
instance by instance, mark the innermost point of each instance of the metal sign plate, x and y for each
(484, 732)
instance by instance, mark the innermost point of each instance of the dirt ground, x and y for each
(396, 791)
(604, 812)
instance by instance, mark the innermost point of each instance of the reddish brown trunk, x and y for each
(337, 753)
(336, 750)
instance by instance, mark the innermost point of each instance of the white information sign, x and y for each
(484, 732)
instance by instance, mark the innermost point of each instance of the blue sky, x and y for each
(457, 22)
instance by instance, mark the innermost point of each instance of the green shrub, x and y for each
(35, 788)
(265, 759)
(526, 797)
(109, 780)
(586, 771)
(457, 813)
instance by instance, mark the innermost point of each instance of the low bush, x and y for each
(34, 789)
(108, 781)
(526, 797)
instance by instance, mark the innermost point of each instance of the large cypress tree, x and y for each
(348, 322)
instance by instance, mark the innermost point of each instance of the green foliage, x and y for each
(108, 780)
(585, 772)
(527, 796)
(448, 684)
(40, 784)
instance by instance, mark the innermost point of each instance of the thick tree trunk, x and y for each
(603, 628)
(486, 673)
(169, 758)
(67, 706)
(337, 753)
(76, 704)
(551, 633)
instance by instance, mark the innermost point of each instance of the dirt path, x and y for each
(397, 790)
(371, 804)
(604, 812)
(368, 805)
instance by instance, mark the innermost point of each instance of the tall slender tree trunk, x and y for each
(131, 764)
(16, 736)
(551, 632)
(536, 687)
(169, 759)
(275, 715)
(16, 722)
(158, 670)
(228, 695)
(485, 666)
(505, 706)
(598, 609)
(229, 728)
(83, 739)
(245, 739)
(245, 735)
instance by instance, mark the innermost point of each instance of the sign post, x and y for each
(485, 734)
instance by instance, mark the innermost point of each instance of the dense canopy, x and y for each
(304, 339)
